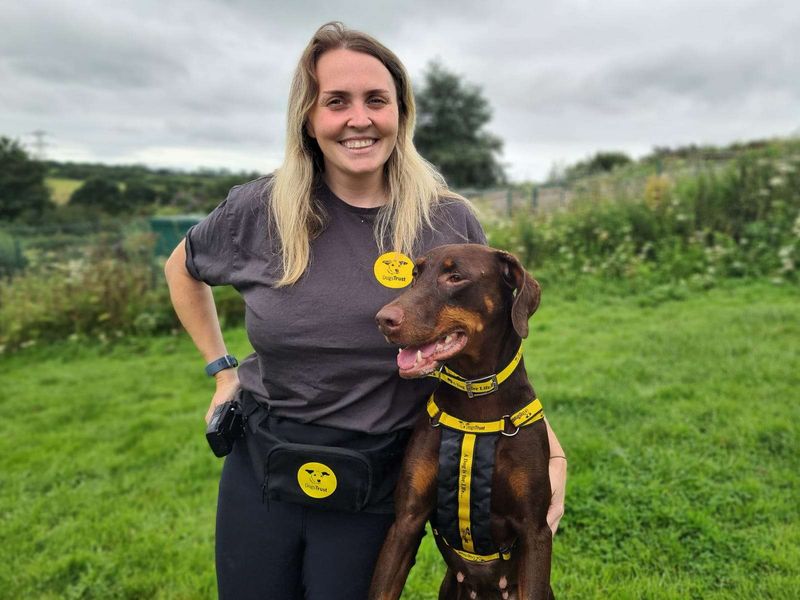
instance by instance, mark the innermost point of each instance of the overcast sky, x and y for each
(190, 83)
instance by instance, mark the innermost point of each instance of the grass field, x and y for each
(61, 188)
(680, 420)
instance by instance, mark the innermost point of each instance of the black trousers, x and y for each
(284, 551)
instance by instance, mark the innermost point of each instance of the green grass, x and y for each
(62, 188)
(679, 417)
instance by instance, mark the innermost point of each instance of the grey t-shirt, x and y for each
(319, 357)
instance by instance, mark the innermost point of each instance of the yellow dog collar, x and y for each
(482, 385)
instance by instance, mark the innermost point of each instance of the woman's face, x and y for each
(355, 117)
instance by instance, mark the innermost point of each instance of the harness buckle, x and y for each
(506, 420)
(435, 419)
(469, 384)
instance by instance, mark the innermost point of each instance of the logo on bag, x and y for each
(393, 269)
(316, 480)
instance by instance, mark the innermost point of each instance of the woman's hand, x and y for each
(558, 485)
(227, 386)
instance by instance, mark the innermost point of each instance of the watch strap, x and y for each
(224, 362)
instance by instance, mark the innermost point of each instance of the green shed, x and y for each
(170, 230)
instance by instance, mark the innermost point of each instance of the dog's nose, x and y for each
(389, 318)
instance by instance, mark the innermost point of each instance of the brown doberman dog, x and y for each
(463, 318)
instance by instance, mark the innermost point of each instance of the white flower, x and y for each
(776, 181)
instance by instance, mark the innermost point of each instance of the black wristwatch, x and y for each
(225, 362)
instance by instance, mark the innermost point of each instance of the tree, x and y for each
(601, 162)
(22, 188)
(451, 117)
(99, 193)
(138, 194)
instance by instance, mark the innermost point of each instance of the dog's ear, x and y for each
(526, 292)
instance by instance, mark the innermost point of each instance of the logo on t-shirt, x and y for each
(393, 269)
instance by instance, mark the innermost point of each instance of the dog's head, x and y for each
(462, 296)
(316, 476)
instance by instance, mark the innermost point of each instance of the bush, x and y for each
(101, 295)
(740, 221)
(99, 194)
(114, 289)
(11, 258)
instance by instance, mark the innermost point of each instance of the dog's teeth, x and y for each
(419, 355)
(448, 339)
(399, 350)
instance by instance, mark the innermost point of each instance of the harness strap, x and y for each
(466, 465)
(471, 556)
(527, 415)
(482, 385)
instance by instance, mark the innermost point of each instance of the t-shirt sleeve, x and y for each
(211, 248)
(475, 233)
(456, 223)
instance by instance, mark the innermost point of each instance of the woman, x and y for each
(312, 251)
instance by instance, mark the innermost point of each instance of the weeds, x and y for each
(740, 221)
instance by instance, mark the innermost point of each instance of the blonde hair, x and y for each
(412, 184)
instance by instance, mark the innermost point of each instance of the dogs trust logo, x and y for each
(393, 270)
(316, 480)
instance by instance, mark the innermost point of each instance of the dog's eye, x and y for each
(454, 278)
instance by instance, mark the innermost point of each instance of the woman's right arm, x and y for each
(194, 305)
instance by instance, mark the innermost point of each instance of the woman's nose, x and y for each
(359, 117)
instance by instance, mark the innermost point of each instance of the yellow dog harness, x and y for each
(464, 481)
(466, 465)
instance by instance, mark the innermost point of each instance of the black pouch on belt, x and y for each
(323, 467)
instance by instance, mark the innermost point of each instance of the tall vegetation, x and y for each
(99, 193)
(692, 230)
(600, 162)
(22, 190)
(450, 131)
(740, 220)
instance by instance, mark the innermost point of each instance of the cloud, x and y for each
(208, 80)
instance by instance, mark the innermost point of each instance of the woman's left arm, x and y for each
(558, 480)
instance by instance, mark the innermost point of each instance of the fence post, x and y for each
(535, 198)
(509, 202)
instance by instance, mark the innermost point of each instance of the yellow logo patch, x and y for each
(316, 480)
(393, 269)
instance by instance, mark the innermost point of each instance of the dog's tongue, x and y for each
(408, 356)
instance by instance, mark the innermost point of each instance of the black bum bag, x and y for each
(322, 467)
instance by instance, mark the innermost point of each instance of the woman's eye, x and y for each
(377, 100)
(334, 102)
